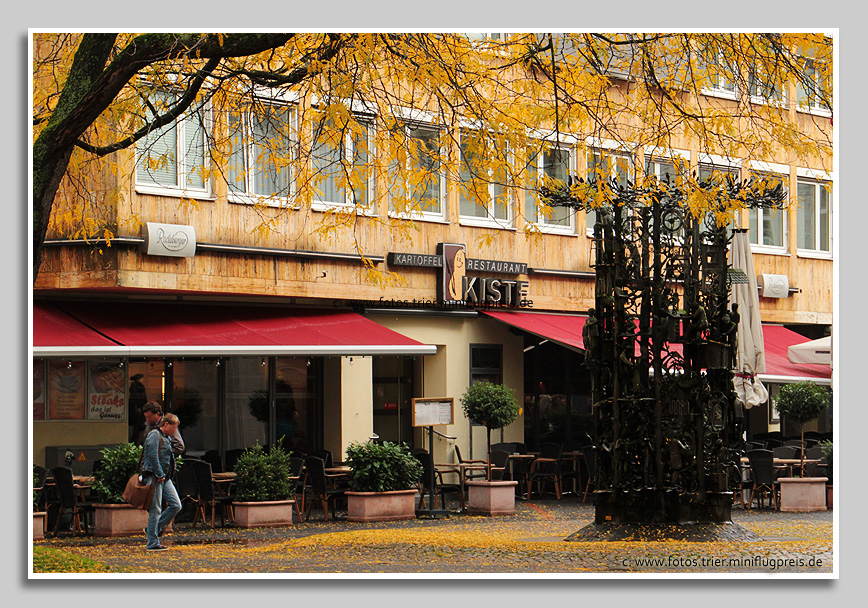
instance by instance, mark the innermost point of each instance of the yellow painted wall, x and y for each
(447, 374)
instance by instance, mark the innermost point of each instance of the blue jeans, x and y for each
(158, 520)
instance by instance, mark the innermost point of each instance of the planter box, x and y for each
(381, 506)
(491, 497)
(119, 520)
(39, 519)
(266, 514)
(803, 494)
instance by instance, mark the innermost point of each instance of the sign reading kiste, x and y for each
(454, 286)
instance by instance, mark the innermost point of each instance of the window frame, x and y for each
(758, 169)
(180, 125)
(416, 120)
(716, 89)
(318, 204)
(611, 149)
(250, 156)
(820, 182)
(489, 220)
(813, 106)
(725, 164)
(540, 223)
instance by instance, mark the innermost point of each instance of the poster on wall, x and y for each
(106, 392)
(38, 390)
(66, 390)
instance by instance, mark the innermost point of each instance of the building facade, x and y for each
(321, 340)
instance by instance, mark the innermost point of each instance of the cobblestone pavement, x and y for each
(530, 542)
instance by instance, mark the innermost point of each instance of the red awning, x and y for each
(54, 330)
(187, 329)
(561, 328)
(777, 340)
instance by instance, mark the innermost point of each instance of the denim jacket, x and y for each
(158, 457)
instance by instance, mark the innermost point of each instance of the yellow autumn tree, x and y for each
(324, 112)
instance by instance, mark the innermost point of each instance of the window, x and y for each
(480, 36)
(552, 163)
(721, 75)
(767, 227)
(762, 88)
(603, 164)
(481, 193)
(667, 170)
(814, 216)
(418, 187)
(341, 163)
(717, 171)
(173, 157)
(260, 159)
(486, 363)
(813, 89)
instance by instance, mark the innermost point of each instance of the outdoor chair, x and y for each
(68, 500)
(440, 488)
(590, 458)
(754, 445)
(764, 479)
(509, 448)
(232, 457)
(296, 469)
(499, 460)
(207, 497)
(318, 489)
(470, 475)
(212, 457)
(786, 451)
(325, 456)
(546, 468)
(796, 443)
(186, 484)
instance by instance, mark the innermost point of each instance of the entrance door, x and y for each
(393, 398)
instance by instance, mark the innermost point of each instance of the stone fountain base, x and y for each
(693, 533)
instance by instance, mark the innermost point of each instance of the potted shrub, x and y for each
(383, 481)
(827, 457)
(802, 402)
(39, 517)
(264, 494)
(493, 406)
(112, 515)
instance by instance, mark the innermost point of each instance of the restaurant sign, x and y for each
(456, 287)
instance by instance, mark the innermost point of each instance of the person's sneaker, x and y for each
(157, 548)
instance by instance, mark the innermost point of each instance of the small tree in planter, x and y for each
(112, 515)
(382, 482)
(118, 465)
(263, 477)
(491, 405)
(802, 402)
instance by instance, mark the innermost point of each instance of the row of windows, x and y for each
(261, 165)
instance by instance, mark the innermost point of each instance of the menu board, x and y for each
(430, 412)
(66, 390)
(106, 392)
(39, 390)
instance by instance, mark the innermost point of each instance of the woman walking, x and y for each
(159, 465)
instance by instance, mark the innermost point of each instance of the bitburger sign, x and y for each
(455, 286)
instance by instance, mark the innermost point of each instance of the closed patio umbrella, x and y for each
(750, 356)
(817, 352)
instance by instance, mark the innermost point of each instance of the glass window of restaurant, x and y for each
(557, 401)
(394, 386)
(224, 404)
